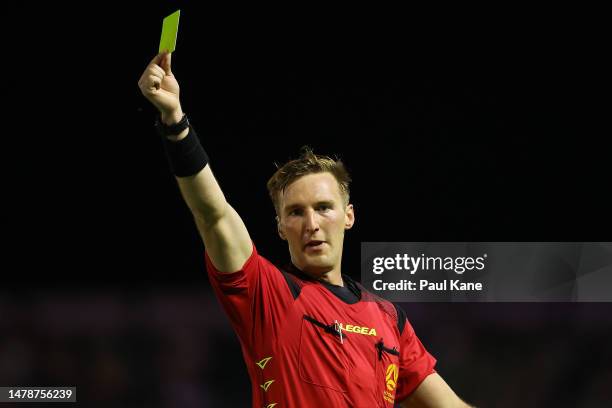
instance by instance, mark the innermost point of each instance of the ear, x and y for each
(349, 217)
(280, 229)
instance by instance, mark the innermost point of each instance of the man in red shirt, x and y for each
(310, 336)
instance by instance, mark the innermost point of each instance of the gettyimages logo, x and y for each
(404, 262)
(488, 271)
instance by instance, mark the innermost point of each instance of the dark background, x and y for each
(474, 126)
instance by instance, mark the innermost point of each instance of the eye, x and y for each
(323, 207)
(296, 212)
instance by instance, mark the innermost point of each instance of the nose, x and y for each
(311, 222)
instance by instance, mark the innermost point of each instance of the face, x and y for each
(312, 219)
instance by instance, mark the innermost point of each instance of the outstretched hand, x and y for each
(160, 87)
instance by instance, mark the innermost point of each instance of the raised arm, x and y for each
(224, 234)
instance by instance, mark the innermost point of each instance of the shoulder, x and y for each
(392, 309)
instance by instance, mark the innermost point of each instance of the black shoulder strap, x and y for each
(352, 285)
(293, 285)
(401, 317)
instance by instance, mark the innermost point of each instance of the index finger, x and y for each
(157, 59)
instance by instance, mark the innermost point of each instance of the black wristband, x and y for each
(187, 156)
(171, 130)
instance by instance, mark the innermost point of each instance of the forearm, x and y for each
(203, 196)
(421, 404)
(433, 392)
(224, 234)
(200, 191)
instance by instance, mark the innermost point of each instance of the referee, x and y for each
(310, 336)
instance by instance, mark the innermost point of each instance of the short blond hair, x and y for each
(308, 163)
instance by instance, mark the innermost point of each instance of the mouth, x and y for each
(314, 244)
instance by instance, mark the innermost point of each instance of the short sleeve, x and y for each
(415, 363)
(254, 297)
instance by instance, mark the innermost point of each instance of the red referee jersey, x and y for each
(306, 347)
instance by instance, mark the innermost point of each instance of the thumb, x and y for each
(166, 63)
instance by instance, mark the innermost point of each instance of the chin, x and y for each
(319, 265)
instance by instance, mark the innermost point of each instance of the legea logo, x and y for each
(391, 377)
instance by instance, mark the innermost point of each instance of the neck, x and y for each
(332, 276)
